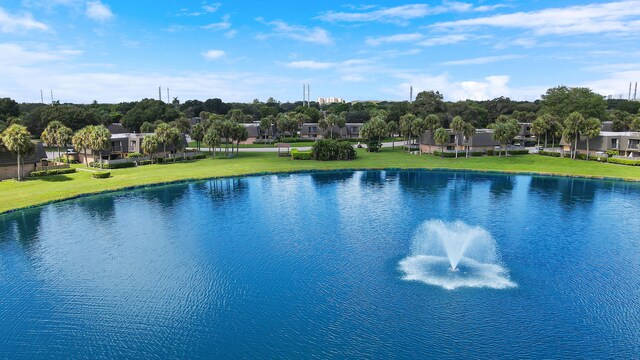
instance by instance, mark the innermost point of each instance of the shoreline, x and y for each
(309, 171)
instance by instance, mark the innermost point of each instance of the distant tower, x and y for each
(304, 93)
(629, 98)
(411, 94)
(635, 92)
(168, 96)
(160, 93)
(308, 95)
(51, 97)
(41, 96)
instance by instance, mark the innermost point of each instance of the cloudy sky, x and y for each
(112, 50)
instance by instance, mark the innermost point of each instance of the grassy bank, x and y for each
(15, 195)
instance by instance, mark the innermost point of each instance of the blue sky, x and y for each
(112, 51)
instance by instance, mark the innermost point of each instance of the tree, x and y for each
(374, 130)
(572, 126)
(433, 121)
(240, 134)
(150, 145)
(64, 137)
(265, 125)
(182, 124)
(504, 130)
(99, 140)
(406, 123)
(212, 139)
(622, 120)
(286, 124)
(635, 124)
(50, 133)
(469, 132)
(561, 101)
(147, 127)
(418, 127)
(428, 102)
(591, 128)
(541, 126)
(441, 137)
(197, 134)
(81, 141)
(17, 139)
(148, 110)
(167, 135)
(8, 108)
(457, 125)
(392, 130)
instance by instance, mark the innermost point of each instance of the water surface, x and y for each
(307, 265)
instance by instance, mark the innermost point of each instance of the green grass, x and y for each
(36, 191)
(193, 144)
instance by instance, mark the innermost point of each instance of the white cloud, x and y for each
(280, 28)
(98, 11)
(10, 23)
(619, 17)
(211, 8)
(213, 54)
(404, 13)
(444, 40)
(13, 54)
(206, 9)
(225, 24)
(398, 38)
(616, 83)
(486, 88)
(482, 60)
(231, 34)
(310, 65)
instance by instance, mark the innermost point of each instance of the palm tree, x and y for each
(64, 137)
(433, 121)
(17, 139)
(99, 140)
(80, 140)
(468, 132)
(392, 130)
(591, 128)
(406, 122)
(540, 126)
(150, 145)
(457, 125)
(212, 139)
(50, 134)
(418, 127)
(197, 134)
(572, 126)
(163, 132)
(265, 125)
(441, 137)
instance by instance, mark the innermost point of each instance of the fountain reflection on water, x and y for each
(453, 255)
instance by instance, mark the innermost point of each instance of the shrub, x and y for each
(145, 162)
(612, 152)
(629, 162)
(327, 150)
(294, 139)
(101, 175)
(160, 160)
(64, 160)
(134, 155)
(301, 155)
(445, 154)
(492, 152)
(52, 172)
(373, 146)
(549, 153)
(200, 156)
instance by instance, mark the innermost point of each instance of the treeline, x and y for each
(144, 115)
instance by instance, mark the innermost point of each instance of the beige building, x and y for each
(329, 100)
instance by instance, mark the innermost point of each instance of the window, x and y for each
(614, 143)
(634, 144)
(132, 146)
(452, 138)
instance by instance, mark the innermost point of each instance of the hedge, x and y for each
(145, 162)
(113, 166)
(291, 139)
(327, 150)
(101, 175)
(134, 155)
(52, 172)
(301, 155)
(460, 154)
(549, 153)
(510, 152)
(624, 161)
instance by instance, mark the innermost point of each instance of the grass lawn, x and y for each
(193, 144)
(15, 195)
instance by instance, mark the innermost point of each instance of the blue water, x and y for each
(307, 266)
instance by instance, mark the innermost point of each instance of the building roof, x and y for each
(8, 158)
(620, 133)
(117, 128)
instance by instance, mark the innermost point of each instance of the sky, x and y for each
(112, 51)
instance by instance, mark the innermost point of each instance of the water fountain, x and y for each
(453, 255)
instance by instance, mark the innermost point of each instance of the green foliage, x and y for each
(374, 131)
(145, 162)
(52, 172)
(101, 175)
(294, 139)
(492, 152)
(147, 127)
(301, 155)
(64, 160)
(562, 101)
(327, 150)
(428, 102)
(8, 108)
(134, 155)
(620, 161)
(612, 152)
(150, 144)
(549, 153)
(148, 110)
(113, 166)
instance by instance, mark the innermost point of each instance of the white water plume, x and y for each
(453, 255)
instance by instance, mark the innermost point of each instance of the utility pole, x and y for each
(160, 93)
(41, 97)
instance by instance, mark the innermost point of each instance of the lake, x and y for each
(328, 265)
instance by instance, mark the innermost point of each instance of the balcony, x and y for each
(116, 149)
